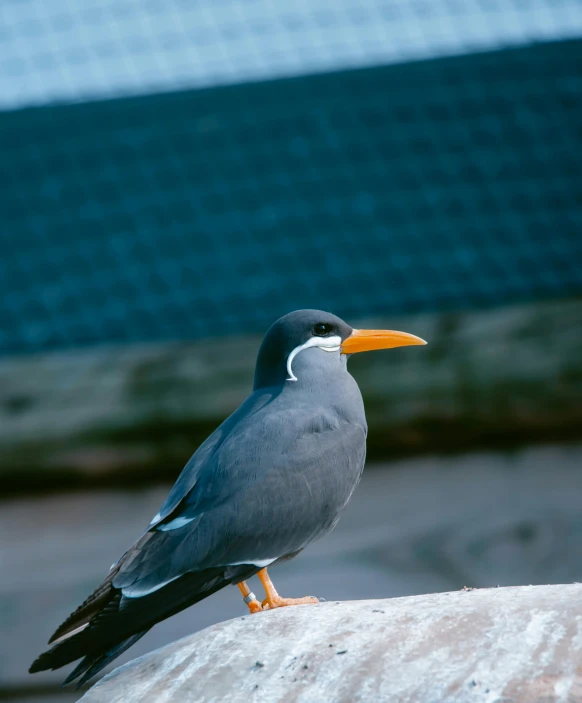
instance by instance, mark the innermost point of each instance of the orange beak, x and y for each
(368, 340)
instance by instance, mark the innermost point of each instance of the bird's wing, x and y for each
(267, 488)
(263, 495)
(199, 463)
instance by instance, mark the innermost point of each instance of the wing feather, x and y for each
(269, 513)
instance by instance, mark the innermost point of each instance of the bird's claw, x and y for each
(278, 602)
(255, 607)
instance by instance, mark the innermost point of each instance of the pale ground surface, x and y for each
(516, 645)
(420, 526)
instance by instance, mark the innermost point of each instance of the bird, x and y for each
(272, 478)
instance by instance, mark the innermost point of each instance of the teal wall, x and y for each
(442, 184)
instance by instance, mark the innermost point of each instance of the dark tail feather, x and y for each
(119, 622)
(93, 663)
(77, 645)
(85, 612)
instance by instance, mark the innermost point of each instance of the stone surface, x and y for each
(413, 526)
(138, 412)
(522, 645)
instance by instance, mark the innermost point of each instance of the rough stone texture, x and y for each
(486, 376)
(518, 645)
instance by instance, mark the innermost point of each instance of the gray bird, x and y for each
(275, 476)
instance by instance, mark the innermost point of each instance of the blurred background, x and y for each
(176, 175)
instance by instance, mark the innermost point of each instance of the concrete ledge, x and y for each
(518, 645)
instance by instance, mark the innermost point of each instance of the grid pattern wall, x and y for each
(438, 184)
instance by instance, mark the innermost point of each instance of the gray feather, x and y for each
(273, 481)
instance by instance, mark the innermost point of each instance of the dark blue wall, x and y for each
(439, 184)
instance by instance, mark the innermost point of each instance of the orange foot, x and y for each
(249, 598)
(274, 600)
(255, 607)
(277, 602)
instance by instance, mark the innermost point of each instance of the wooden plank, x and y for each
(134, 413)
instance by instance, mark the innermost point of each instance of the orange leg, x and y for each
(274, 600)
(249, 598)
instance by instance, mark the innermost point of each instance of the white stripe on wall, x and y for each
(67, 51)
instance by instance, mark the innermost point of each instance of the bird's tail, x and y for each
(93, 663)
(82, 635)
(108, 623)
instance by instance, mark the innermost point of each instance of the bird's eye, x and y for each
(321, 329)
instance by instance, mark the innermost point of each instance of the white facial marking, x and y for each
(328, 344)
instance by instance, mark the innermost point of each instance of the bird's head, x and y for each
(327, 336)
